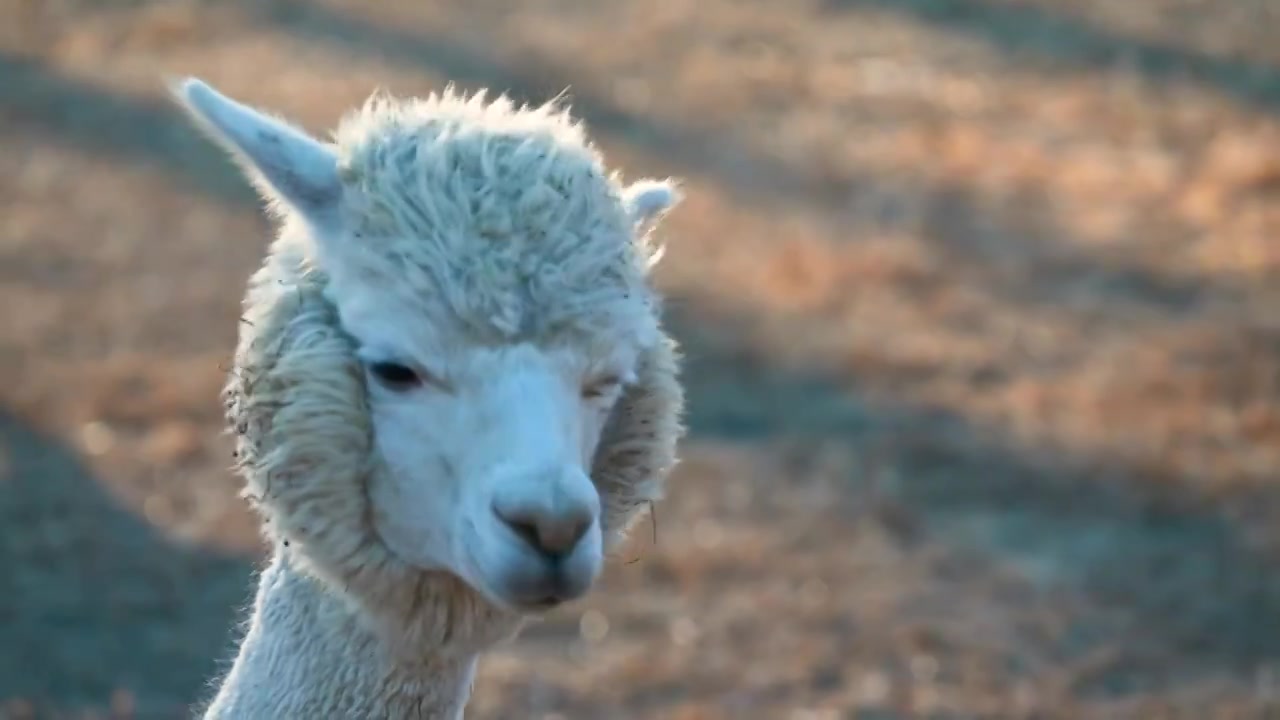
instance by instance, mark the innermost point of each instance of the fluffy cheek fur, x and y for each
(637, 448)
(298, 401)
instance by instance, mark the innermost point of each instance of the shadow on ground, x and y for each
(96, 599)
(1178, 591)
(45, 105)
(1060, 41)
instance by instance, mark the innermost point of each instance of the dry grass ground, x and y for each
(979, 301)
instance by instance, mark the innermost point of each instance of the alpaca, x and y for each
(452, 392)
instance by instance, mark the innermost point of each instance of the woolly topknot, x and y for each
(453, 112)
(506, 211)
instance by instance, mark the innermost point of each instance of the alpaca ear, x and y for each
(286, 164)
(647, 201)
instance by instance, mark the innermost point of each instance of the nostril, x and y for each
(553, 535)
(525, 527)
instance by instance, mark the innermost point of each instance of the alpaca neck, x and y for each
(310, 654)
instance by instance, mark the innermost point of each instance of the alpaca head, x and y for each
(497, 342)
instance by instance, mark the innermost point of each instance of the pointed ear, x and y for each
(647, 201)
(287, 165)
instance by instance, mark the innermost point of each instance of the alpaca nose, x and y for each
(553, 533)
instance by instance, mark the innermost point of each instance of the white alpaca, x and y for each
(452, 391)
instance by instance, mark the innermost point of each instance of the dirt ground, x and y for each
(979, 305)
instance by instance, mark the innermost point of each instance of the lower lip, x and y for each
(545, 603)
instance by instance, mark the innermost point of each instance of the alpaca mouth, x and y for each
(551, 587)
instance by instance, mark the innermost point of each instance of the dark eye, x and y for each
(395, 375)
(600, 387)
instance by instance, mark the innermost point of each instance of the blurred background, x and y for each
(978, 297)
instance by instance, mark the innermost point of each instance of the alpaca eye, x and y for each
(395, 375)
(601, 387)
